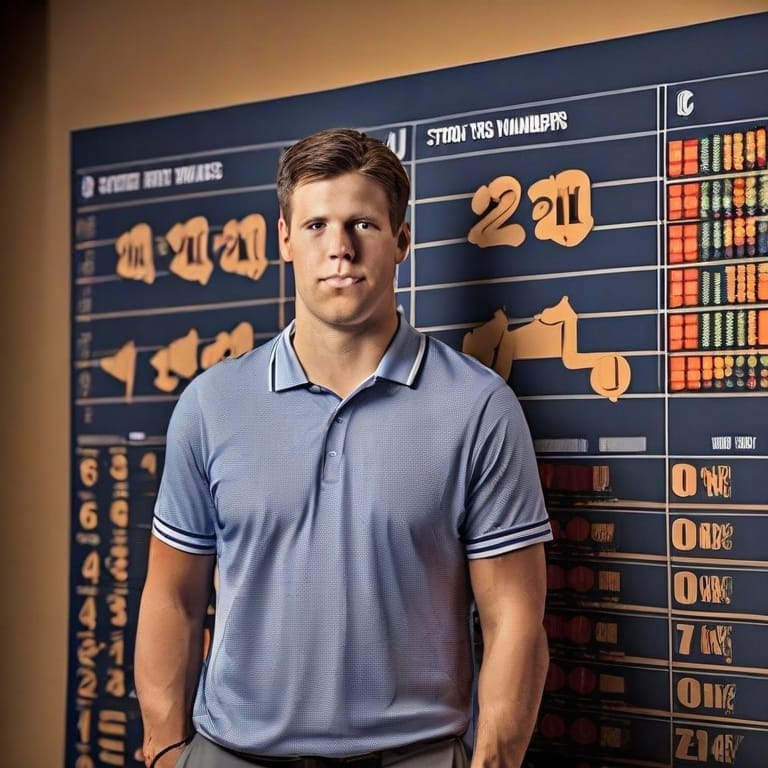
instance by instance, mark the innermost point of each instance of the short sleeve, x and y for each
(184, 513)
(505, 507)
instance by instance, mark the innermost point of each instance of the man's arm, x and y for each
(169, 645)
(509, 590)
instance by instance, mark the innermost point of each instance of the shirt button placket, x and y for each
(334, 448)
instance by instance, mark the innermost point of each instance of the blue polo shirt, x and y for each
(342, 530)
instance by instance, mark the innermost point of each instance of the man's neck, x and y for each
(341, 359)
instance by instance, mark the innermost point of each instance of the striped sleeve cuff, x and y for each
(194, 543)
(501, 541)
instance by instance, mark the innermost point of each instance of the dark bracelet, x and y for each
(164, 750)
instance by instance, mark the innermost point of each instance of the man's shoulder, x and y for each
(249, 369)
(441, 358)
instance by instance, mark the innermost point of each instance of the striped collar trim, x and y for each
(401, 363)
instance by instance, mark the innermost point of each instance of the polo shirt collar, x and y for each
(401, 362)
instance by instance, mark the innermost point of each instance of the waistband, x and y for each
(366, 760)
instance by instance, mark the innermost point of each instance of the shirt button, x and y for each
(332, 453)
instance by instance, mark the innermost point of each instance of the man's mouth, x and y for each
(341, 281)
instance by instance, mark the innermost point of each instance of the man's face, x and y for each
(343, 251)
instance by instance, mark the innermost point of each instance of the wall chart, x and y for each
(591, 222)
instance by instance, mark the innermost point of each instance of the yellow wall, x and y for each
(111, 61)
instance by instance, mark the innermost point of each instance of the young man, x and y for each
(355, 483)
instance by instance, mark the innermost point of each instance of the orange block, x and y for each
(691, 242)
(674, 158)
(675, 202)
(675, 244)
(691, 157)
(691, 200)
(762, 327)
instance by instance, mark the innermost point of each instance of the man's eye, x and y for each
(316, 225)
(363, 224)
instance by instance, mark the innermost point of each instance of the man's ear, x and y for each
(283, 239)
(403, 242)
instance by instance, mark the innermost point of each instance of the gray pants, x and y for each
(448, 753)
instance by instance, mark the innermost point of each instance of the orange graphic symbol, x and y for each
(189, 242)
(225, 345)
(122, 366)
(178, 359)
(134, 254)
(562, 206)
(498, 201)
(552, 333)
(243, 246)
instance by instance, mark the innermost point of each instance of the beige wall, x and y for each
(110, 61)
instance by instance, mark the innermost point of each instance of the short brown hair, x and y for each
(335, 151)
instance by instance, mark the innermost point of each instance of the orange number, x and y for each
(505, 191)
(89, 517)
(91, 567)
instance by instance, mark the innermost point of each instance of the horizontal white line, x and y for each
(135, 400)
(172, 158)
(172, 198)
(691, 127)
(720, 616)
(178, 309)
(94, 362)
(91, 440)
(84, 245)
(534, 278)
(627, 182)
(597, 228)
(100, 279)
(537, 145)
(470, 195)
(710, 78)
(575, 396)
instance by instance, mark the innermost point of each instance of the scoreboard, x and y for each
(590, 222)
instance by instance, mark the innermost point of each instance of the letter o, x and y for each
(684, 534)
(686, 587)
(683, 480)
(689, 692)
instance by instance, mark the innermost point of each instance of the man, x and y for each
(352, 480)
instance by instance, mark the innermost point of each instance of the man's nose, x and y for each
(341, 245)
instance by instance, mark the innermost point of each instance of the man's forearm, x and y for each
(167, 665)
(510, 685)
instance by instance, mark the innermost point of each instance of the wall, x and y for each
(133, 59)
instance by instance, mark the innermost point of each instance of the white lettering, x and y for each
(120, 182)
(745, 442)
(194, 174)
(721, 442)
(157, 177)
(449, 134)
(482, 130)
(396, 142)
(541, 123)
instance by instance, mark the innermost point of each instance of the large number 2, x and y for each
(505, 191)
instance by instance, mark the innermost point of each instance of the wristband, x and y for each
(164, 750)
